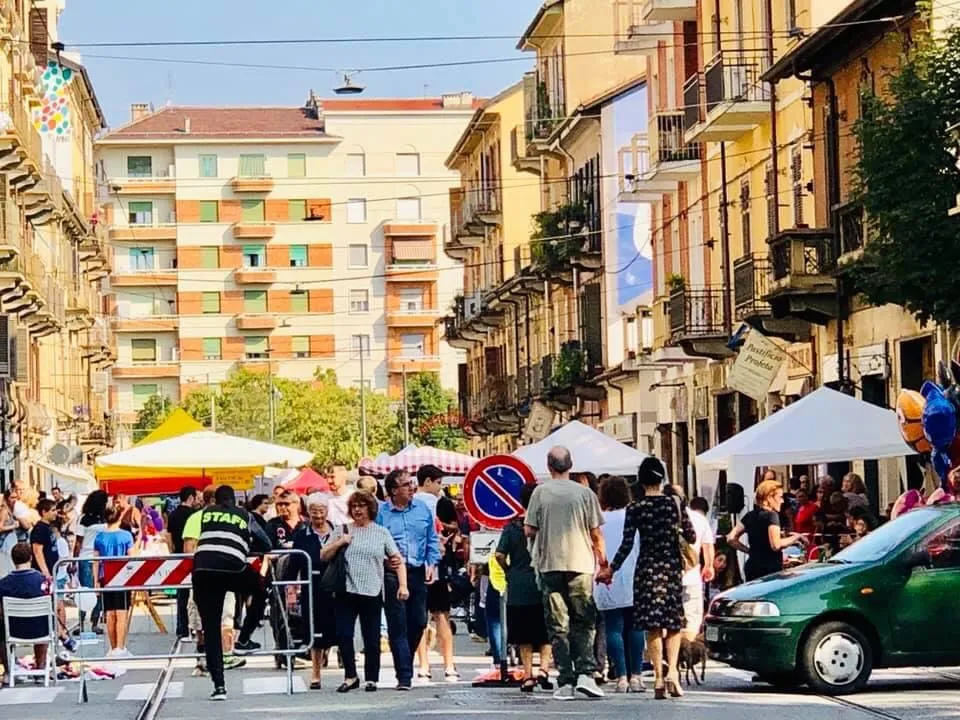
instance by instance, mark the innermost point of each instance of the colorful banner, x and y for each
(53, 116)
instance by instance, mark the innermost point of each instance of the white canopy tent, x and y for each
(825, 426)
(591, 450)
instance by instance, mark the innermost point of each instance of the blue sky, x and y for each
(122, 82)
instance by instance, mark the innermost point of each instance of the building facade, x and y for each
(294, 238)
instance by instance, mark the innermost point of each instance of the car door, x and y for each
(922, 612)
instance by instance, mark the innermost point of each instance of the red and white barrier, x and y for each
(158, 572)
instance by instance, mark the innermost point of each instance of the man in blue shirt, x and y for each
(25, 583)
(413, 528)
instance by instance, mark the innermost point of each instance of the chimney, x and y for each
(457, 100)
(186, 125)
(138, 111)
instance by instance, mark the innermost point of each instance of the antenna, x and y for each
(348, 88)
(170, 88)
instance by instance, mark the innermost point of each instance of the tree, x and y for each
(429, 407)
(907, 179)
(155, 410)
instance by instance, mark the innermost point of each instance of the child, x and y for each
(114, 542)
(24, 583)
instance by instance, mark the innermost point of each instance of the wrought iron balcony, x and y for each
(734, 100)
(697, 322)
(802, 284)
(751, 284)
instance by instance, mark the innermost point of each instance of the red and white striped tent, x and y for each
(411, 458)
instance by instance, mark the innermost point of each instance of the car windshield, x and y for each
(881, 541)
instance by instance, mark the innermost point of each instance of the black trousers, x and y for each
(183, 619)
(209, 590)
(348, 608)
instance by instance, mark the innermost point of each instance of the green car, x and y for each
(888, 600)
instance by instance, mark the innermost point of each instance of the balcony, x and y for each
(697, 323)
(256, 321)
(522, 156)
(143, 233)
(254, 276)
(411, 272)
(802, 283)
(563, 240)
(158, 183)
(413, 363)
(247, 230)
(143, 277)
(729, 99)
(544, 111)
(410, 228)
(670, 10)
(21, 149)
(751, 281)
(260, 184)
(147, 324)
(412, 317)
(136, 370)
(851, 220)
(472, 212)
(23, 281)
(634, 33)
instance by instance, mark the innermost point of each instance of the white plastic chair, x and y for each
(33, 608)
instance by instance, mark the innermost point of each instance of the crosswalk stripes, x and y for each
(29, 695)
(141, 691)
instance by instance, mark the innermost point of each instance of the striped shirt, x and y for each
(369, 547)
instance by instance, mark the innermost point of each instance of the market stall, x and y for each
(591, 450)
(411, 458)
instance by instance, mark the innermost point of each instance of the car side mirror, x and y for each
(918, 557)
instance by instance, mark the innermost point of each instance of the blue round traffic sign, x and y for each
(491, 489)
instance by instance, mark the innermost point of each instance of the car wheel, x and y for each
(837, 659)
(782, 680)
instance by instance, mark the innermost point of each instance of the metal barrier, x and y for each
(156, 573)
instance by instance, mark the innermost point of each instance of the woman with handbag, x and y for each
(665, 534)
(355, 574)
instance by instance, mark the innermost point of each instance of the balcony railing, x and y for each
(692, 100)
(751, 284)
(734, 77)
(666, 141)
(801, 254)
(851, 223)
(696, 312)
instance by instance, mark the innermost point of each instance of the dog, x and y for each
(692, 654)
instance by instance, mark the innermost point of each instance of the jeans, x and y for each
(209, 591)
(348, 608)
(85, 575)
(624, 642)
(571, 617)
(406, 619)
(494, 623)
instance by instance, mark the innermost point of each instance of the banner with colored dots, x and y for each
(53, 116)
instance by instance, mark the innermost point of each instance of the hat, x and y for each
(651, 472)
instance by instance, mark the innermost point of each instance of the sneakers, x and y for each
(451, 676)
(403, 686)
(232, 662)
(565, 692)
(622, 686)
(636, 684)
(586, 685)
(69, 644)
(219, 694)
(245, 647)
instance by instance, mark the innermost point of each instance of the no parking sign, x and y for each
(491, 490)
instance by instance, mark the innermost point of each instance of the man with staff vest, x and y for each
(220, 565)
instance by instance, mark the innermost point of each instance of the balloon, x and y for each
(939, 427)
(910, 414)
(910, 500)
(949, 378)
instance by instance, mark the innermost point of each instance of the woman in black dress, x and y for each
(659, 520)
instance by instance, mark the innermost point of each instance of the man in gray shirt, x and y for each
(564, 520)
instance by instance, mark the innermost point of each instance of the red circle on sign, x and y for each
(479, 475)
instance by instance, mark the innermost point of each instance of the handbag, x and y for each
(688, 555)
(334, 578)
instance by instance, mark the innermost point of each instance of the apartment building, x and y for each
(294, 238)
(54, 346)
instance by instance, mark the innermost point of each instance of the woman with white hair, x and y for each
(312, 538)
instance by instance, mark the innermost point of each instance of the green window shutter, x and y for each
(139, 166)
(299, 302)
(296, 165)
(298, 256)
(140, 212)
(210, 257)
(211, 348)
(255, 345)
(208, 166)
(255, 301)
(254, 256)
(209, 211)
(143, 350)
(211, 303)
(297, 210)
(252, 166)
(300, 346)
(142, 393)
(252, 211)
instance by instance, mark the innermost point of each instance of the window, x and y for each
(252, 166)
(254, 301)
(408, 208)
(211, 349)
(210, 303)
(251, 211)
(791, 16)
(254, 256)
(298, 256)
(408, 164)
(944, 548)
(140, 212)
(139, 166)
(296, 165)
(412, 345)
(411, 300)
(359, 301)
(356, 210)
(299, 301)
(142, 393)
(255, 347)
(745, 215)
(296, 210)
(209, 211)
(356, 165)
(210, 258)
(143, 350)
(358, 256)
(300, 345)
(208, 166)
(358, 344)
(142, 259)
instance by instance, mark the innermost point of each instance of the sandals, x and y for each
(315, 685)
(346, 687)
(543, 680)
(528, 685)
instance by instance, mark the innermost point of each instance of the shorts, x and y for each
(116, 600)
(693, 608)
(438, 597)
(226, 618)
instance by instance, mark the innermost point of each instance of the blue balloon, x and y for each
(939, 423)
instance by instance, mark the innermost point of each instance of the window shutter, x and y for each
(211, 348)
(143, 350)
(22, 356)
(300, 346)
(745, 215)
(252, 166)
(255, 301)
(5, 347)
(298, 256)
(209, 211)
(211, 303)
(296, 210)
(299, 301)
(208, 166)
(252, 211)
(356, 210)
(210, 257)
(255, 345)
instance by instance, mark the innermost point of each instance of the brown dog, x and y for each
(692, 654)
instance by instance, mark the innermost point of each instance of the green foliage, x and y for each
(555, 240)
(676, 283)
(907, 179)
(571, 366)
(155, 410)
(429, 407)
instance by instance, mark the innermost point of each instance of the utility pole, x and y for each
(213, 405)
(270, 403)
(363, 405)
(406, 411)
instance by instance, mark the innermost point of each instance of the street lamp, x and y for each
(348, 88)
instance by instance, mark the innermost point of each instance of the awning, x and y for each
(413, 250)
(795, 387)
(72, 479)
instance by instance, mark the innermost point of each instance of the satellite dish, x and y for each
(348, 88)
(60, 454)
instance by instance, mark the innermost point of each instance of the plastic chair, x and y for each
(31, 609)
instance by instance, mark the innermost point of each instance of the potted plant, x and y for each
(676, 283)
